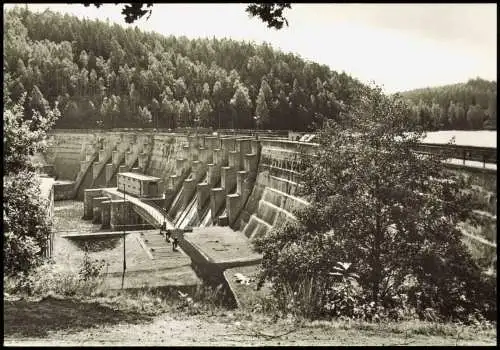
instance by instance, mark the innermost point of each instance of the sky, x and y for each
(398, 46)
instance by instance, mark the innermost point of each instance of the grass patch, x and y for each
(52, 299)
(54, 317)
(487, 231)
(51, 279)
(407, 328)
(28, 318)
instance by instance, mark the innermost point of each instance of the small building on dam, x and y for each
(139, 185)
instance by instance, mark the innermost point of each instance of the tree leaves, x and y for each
(26, 224)
(78, 61)
(385, 205)
(270, 13)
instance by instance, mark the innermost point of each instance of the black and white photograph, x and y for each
(249, 174)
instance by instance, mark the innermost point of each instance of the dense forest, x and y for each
(103, 75)
(464, 106)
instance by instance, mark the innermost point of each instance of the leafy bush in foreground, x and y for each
(91, 268)
(26, 224)
(390, 212)
(25, 221)
(52, 279)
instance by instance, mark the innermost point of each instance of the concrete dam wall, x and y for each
(230, 179)
(226, 180)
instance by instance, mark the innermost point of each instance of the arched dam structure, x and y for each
(226, 188)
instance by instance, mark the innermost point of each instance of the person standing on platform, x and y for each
(175, 242)
(164, 231)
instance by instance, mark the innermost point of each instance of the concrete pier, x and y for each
(89, 195)
(217, 200)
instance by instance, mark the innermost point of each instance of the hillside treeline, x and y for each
(103, 75)
(464, 106)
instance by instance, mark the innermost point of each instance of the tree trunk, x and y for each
(376, 264)
(218, 113)
(378, 237)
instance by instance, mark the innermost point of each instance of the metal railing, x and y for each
(484, 155)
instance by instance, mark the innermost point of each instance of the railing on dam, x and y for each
(158, 208)
(484, 155)
(238, 132)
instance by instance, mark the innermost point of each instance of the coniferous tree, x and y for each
(443, 119)
(261, 111)
(242, 106)
(475, 117)
(461, 117)
(452, 116)
(155, 108)
(491, 122)
(145, 115)
(435, 115)
(41, 50)
(184, 114)
(203, 113)
(36, 103)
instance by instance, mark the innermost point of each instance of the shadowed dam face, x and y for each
(232, 180)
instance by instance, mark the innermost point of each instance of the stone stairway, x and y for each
(161, 268)
(161, 250)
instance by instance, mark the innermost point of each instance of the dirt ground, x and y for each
(65, 322)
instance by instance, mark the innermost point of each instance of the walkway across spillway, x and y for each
(152, 215)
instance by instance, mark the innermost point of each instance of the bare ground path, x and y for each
(65, 322)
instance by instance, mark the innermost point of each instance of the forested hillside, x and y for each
(106, 75)
(103, 75)
(465, 106)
